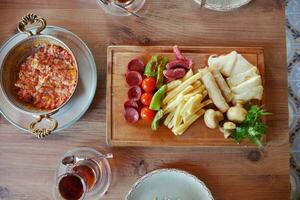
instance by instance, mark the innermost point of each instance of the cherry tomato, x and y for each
(147, 114)
(148, 84)
(146, 98)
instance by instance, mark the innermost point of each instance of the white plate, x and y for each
(169, 184)
(223, 5)
(85, 91)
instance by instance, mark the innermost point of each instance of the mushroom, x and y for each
(237, 113)
(228, 128)
(212, 118)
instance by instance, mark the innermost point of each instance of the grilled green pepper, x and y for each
(158, 98)
(160, 76)
(156, 120)
(151, 67)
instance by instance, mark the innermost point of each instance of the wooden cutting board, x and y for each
(121, 133)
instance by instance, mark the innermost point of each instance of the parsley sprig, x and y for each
(252, 128)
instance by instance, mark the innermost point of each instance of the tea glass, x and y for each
(86, 179)
(111, 8)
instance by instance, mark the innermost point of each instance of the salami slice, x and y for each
(178, 63)
(174, 73)
(131, 115)
(180, 56)
(133, 78)
(131, 104)
(134, 93)
(168, 79)
(178, 53)
(137, 65)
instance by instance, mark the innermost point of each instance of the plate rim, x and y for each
(93, 87)
(158, 171)
(224, 8)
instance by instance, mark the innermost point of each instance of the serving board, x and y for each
(121, 133)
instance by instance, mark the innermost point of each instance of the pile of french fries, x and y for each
(184, 103)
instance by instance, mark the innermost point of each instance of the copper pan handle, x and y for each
(31, 19)
(43, 132)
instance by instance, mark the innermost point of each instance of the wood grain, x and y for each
(27, 164)
(140, 133)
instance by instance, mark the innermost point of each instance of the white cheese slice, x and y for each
(247, 85)
(242, 77)
(222, 85)
(224, 63)
(241, 65)
(252, 93)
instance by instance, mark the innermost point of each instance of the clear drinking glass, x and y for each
(89, 178)
(109, 6)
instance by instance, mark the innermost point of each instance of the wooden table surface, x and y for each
(27, 164)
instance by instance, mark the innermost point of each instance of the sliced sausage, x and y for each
(134, 93)
(133, 78)
(131, 104)
(137, 65)
(178, 63)
(131, 115)
(178, 53)
(168, 79)
(174, 73)
(180, 56)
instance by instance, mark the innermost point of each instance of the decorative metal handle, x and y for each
(30, 19)
(41, 133)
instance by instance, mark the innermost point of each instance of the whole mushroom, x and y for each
(237, 113)
(228, 128)
(212, 118)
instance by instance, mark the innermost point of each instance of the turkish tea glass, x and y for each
(89, 178)
(111, 6)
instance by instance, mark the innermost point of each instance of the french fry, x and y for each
(177, 116)
(190, 102)
(193, 104)
(169, 118)
(171, 123)
(195, 91)
(172, 105)
(196, 84)
(183, 92)
(188, 75)
(204, 93)
(197, 106)
(179, 130)
(173, 84)
(183, 85)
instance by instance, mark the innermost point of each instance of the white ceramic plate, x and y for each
(84, 92)
(169, 184)
(223, 5)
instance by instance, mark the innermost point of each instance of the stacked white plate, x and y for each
(222, 5)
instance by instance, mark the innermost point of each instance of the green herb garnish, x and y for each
(252, 128)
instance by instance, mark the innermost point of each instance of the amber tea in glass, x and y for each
(88, 178)
(81, 179)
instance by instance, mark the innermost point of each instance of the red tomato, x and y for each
(148, 84)
(146, 98)
(147, 114)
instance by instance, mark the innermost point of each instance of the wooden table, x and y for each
(27, 164)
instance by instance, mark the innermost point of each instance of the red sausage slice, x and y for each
(133, 78)
(134, 93)
(131, 115)
(137, 65)
(131, 104)
(174, 73)
(178, 63)
(178, 53)
(168, 79)
(180, 56)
